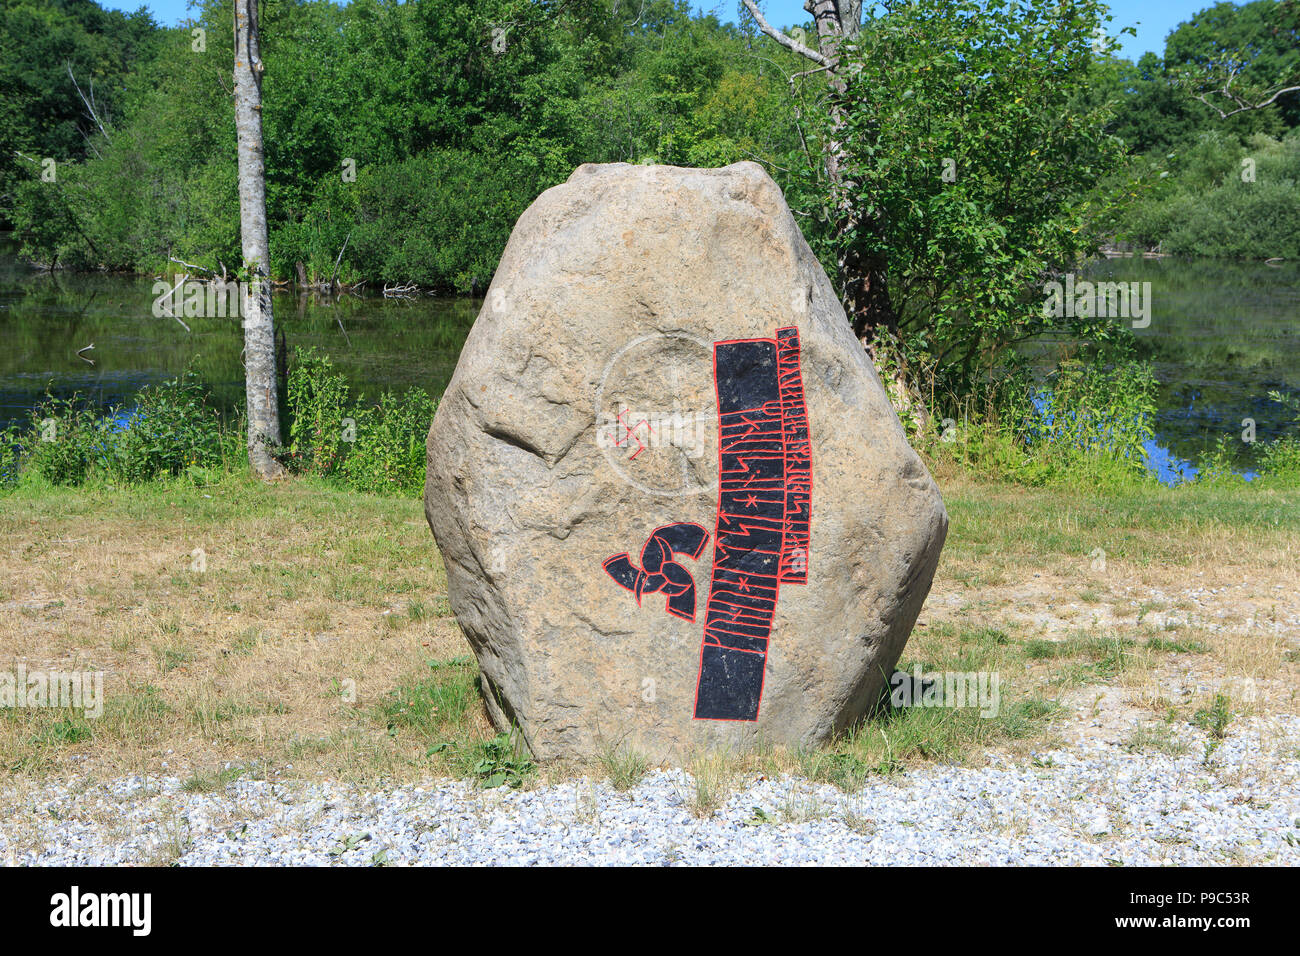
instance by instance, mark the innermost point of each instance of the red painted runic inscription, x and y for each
(764, 514)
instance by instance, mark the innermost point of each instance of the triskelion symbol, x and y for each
(658, 571)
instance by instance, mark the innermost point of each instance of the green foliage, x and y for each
(1085, 425)
(317, 398)
(1176, 118)
(65, 441)
(1214, 720)
(441, 219)
(498, 762)
(388, 455)
(449, 137)
(1280, 462)
(1251, 46)
(1227, 199)
(44, 45)
(172, 430)
(1216, 464)
(45, 222)
(11, 449)
(1152, 113)
(974, 161)
(1088, 408)
(375, 447)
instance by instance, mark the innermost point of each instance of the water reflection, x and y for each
(45, 320)
(1221, 337)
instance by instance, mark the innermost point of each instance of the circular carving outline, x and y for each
(600, 391)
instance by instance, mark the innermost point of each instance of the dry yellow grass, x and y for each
(1167, 595)
(259, 626)
(290, 629)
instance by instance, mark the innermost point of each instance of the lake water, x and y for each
(45, 319)
(1222, 336)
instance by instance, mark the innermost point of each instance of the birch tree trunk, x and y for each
(863, 278)
(864, 286)
(260, 384)
(863, 282)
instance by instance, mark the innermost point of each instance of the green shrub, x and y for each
(317, 399)
(441, 219)
(499, 762)
(388, 454)
(1085, 425)
(1279, 462)
(11, 451)
(65, 441)
(171, 430)
(1216, 465)
(370, 447)
(1206, 208)
(1090, 409)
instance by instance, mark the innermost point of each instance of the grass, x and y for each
(247, 660)
(435, 708)
(213, 781)
(315, 635)
(623, 767)
(712, 778)
(1156, 738)
(1176, 646)
(1215, 718)
(64, 731)
(1140, 529)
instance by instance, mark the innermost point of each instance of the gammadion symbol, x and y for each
(762, 528)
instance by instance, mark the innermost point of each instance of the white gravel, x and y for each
(1093, 804)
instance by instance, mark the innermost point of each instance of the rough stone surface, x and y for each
(583, 415)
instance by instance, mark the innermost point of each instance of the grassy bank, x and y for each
(302, 629)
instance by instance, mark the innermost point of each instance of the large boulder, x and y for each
(675, 506)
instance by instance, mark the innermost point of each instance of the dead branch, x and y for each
(794, 46)
(1243, 105)
(183, 279)
(188, 265)
(339, 258)
(90, 103)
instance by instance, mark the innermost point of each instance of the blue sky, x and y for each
(1154, 19)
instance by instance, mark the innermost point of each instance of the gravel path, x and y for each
(1094, 804)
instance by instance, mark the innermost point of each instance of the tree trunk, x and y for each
(863, 283)
(260, 384)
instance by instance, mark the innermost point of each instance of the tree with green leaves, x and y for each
(959, 166)
(1240, 59)
(63, 68)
